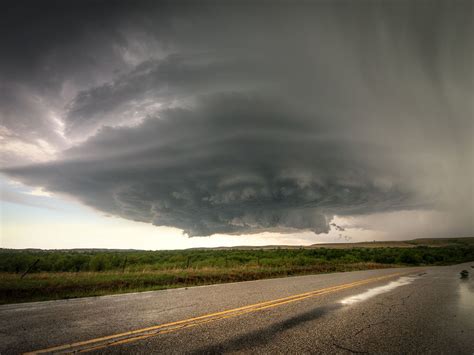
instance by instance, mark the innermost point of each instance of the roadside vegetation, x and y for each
(34, 275)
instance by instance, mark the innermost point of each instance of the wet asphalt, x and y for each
(430, 310)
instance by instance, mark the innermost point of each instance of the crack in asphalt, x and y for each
(387, 308)
(348, 349)
(368, 326)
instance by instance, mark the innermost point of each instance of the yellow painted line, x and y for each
(134, 335)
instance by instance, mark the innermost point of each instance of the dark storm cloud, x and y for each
(238, 117)
(154, 85)
(231, 164)
(48, 47)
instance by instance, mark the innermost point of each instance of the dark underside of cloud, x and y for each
(246, 117)
(232, 164)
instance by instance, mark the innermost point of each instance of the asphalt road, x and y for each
(412, 310)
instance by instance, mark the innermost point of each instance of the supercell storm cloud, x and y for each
(241, 117)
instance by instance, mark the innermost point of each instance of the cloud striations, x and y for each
(241, 117)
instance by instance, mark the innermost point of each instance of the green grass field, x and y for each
(80, 273)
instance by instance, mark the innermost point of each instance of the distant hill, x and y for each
(431, 242)
(442, 241)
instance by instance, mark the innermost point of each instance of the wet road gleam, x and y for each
(428, 310)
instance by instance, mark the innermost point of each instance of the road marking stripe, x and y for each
(134, 335)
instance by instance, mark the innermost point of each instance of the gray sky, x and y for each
(237, 118)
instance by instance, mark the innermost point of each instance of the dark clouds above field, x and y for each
(242, 117)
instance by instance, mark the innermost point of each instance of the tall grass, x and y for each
(69, 274)
(57, 285)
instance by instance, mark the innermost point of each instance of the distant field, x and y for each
(33, 275)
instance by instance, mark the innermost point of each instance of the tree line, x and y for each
(16, 261)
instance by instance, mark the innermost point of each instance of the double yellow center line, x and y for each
(134, 335)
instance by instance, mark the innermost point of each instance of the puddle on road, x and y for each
(466, 300)
(378, 290)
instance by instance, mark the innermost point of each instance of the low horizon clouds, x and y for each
(240, 118)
